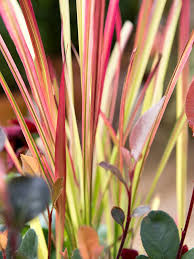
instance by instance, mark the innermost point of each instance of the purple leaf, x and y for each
(142, 129)
(118, 215)
(114, 170)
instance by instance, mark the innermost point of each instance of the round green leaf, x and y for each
(189, 254)
(118, 215)
(76, 254)
(29, 245)
(159, 235)
(29, 196)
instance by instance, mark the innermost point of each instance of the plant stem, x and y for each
(186, 226)
(13, 241)
(49, 231)
(4, 254)
(126, 225)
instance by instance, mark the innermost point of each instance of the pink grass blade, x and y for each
(117, 74)
(13, 156)
(142, 21)
(110, 128)
(118, 24)
(112, 68)
(166, 41)
(26, 96)
(97, 15)
(143, 54)
(122, 107)
(30, 19)
(189, 106)
(95, 46)
(107, 42)
(30, 141)
(168, 93)
(182, 61)
(73, 169)
(182, 141)
(55, 86)
(108, 34)
(85, 110)
(9, 17)
(60, 166)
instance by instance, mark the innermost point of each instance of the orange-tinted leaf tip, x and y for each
(3, 240)
(88, 243)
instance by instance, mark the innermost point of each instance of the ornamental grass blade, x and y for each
(182, 61)
(26, 96)
(40, 60)
(28, 137)
(142, 129)
(60, 166)
(189, 106)
(182, 141)
(14, 21)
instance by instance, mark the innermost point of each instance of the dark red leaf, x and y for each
(13, 132)
(30, 124)
(184, 250)
(113, 169)
(129, 253)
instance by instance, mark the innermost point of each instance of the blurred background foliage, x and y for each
(48, 18)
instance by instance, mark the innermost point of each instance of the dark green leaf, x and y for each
(118, 215)
(113, 170)
(76, 254)
(141, 257)
(189, 254)
(2, 138)
(57, 189)
(159, 235)
(29, 196)
(29, 245)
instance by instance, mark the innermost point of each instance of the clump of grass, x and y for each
(82, 192)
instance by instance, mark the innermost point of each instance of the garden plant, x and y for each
(71, 191)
